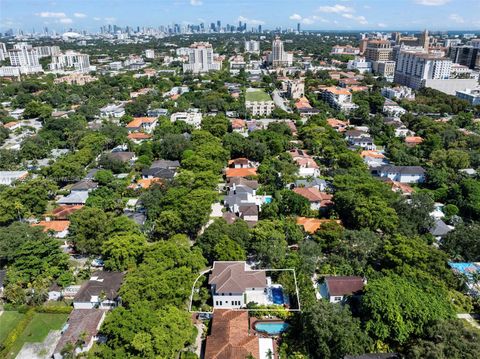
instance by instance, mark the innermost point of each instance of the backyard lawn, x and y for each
(38, 329)
(257, 95)
(8, 320)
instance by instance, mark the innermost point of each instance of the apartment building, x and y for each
(339, 98)
(70, 60)
(201, 58)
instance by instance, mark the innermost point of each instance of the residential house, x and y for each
(231, 337)
(403, 174)
(338, 125)
(240, 172)
(234, 284)
(142, 124)
(115, 111)
(364, 142)
(74, 198)
(59, 228)
(241, 163)
(82, 327)
(101, 291)
(192, 118)
(162, 169)
(318, 200)
(399, 187)
(374, 159)
(391, 108)
(239, 126)
(157, 112)
(412, 141)
(337, 289)
(122, 156)
(138, 137)
(9, 177)
(307, 167)
(440, 229)
(84, 186)
(315, 182)
(63, 212)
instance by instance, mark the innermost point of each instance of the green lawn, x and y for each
(257, 95)
(8, 320)
(37, 330)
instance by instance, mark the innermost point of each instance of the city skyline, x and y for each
(61, 15)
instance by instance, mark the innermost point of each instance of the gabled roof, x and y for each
(440, 228)
(165, 164)
(139, 136)
(106, 282)
(416, 170)
(248, 210)
(84, 185)
(310, 182)
(77, 197)
(62, 212)
(240, 172)
(314, 195)
(121, 156)
(138, 121)
(235, 277)
(240, 181)
(230, 337)
(163, 173)
(239, 161)
(340, 286)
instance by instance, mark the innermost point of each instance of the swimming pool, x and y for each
(277, 295)
(271, 327)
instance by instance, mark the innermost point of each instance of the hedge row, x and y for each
(54, 309)
(16, 332)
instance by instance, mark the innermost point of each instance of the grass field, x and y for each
(257, 95)
(37, 329)
(8, 320)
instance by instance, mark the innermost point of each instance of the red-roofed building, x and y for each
(138, 137)
(318, 200)
(63, 212)
(413, 140)
(338, 125)
(230, 337)
(311, 225)
(142, 124)
(59, 228)
(240, 172)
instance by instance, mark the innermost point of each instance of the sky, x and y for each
(62, 15)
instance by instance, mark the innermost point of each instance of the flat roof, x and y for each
(257, 95)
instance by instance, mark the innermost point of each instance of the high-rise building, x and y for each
(70, 60)
(3, 51)
(424, 40)
(466, 55)
(252, 46)
(378, 50)
(25, 58)
(413, 69)
(298, 27)
(45, 51)
(201, 58)
(278, 56)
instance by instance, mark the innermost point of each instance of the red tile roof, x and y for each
(230, 338)
(139, 136)
(240, 172)
(62, 212)
(311, 225)
(314, 195)
(56, 226)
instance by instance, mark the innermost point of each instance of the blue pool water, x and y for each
(268, 199)
(277, 295)
(272, 328)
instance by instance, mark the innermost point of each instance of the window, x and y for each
(337, 299)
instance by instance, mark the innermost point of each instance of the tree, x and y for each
(104, 177)
(228, 250)
(462, 243)
(396, 308)
(88, 229)
(37, 109)
(291, 203)
(414, 214)
(269, 243)
(167, 224)
(14, 236)
(216, 125)
(142, 332)
(123, 251)
(445, 339)
(332, 331)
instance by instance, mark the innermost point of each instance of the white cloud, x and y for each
(196, 2)
(295, 17)
(251, 21)
(457, 18)
(308, 21)
(381, 24)
(65, 20)
(432, 2)
(335, 9)
(49, 14)
(360, 19)
(79, 14)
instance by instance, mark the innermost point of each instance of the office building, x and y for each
(422, 41)
(252, 46)
(70, 60)
(344, 50)
(378, 50)
(278, 56)
(360, 64)
(295, 89)
(413, 69)
(201, 58)
(466, 55)
(385, 69)
(3, 51)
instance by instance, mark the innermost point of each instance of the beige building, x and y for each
(378, 50)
